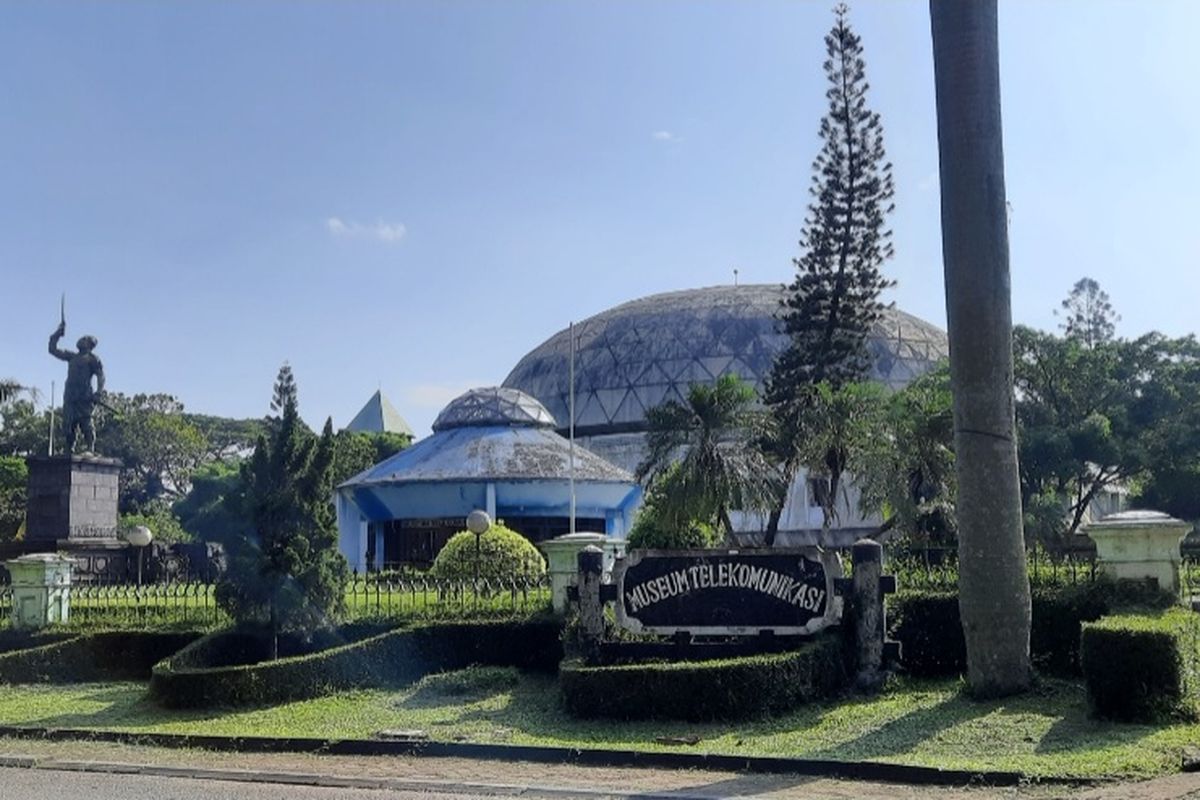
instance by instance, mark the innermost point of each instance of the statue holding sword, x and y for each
(79, 398)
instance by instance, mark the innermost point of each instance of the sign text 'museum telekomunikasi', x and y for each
(726, 592)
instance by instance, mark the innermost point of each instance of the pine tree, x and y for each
(1089, 313)
(284, 390)
(287, 573)
(833, 302)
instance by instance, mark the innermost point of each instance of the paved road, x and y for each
(30, 784)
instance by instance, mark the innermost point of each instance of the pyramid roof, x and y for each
(379, 416)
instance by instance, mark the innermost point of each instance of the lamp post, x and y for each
(140, 537)
(478, 523)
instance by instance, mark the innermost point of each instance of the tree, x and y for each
(711, 437)
(211, 511)
(666, 525)
(24, 431)
(13, 479)
(907, 472)
(1089, 315)
(841, 424)
(1095, 416)
(833, 301)
(227, 438)
(283, 392)
(355, 451)
(9, 389)
(993, 585)
(287, 573)
(158, 446)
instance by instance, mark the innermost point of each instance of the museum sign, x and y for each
(727, 592)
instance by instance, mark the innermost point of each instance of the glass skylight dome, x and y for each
(491, 406)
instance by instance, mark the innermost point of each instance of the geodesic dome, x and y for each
(641, 353)
(493, 405)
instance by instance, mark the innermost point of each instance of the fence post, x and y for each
(591, 610)
(867, 600)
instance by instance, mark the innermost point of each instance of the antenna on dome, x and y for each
(571, 423)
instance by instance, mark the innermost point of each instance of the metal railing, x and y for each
(378, 597)
(936, 568)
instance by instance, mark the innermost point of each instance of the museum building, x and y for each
(505, 449)
(494, 449)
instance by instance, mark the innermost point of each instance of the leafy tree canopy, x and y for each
(1092, 416)
(158, 446)
(663, 524)
(712, 437)
(13, 478)
(355, 451)
(1088, 314)
(907, 472)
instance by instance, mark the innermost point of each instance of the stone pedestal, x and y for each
(562, 559)
(1140, 545)
(72, 499)
(41, 590)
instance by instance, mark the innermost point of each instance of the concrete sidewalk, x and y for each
(443, 776)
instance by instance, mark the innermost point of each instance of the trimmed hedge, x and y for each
(16, 639)
(929, 629)
(106, 656)
(1143, 668)
(203, 674)
(500, 554)
(725, 689)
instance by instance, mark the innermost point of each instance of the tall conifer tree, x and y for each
(833, 302)
(287, 573)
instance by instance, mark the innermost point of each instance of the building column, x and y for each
(490, 500)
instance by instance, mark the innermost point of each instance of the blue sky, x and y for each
(412, 195)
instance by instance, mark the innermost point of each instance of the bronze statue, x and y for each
(79, 399)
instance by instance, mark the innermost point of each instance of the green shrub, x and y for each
(208, 673)
(662, 525)
(929, 629)
(726, 689)
(1142, 668)
(106, 656)
(503, 554)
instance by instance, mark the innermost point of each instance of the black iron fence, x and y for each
(383, 597)
(936, 568)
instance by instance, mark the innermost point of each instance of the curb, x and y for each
(819, 768)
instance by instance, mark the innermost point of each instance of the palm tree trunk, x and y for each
(993, 583)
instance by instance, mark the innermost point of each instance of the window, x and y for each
(818, 491)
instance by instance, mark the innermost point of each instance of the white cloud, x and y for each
(436, 395)
(665, 136)
(387, 232)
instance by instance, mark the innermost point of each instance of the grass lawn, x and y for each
(1044, 733)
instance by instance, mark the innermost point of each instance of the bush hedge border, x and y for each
(929, 629)
(395, 658)
(1142, 668)
(722, 689)
(93, 657)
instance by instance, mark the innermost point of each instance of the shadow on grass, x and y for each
(126, 707)
(904, 733)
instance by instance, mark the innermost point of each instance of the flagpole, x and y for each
(50, 440)
(571, 414)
